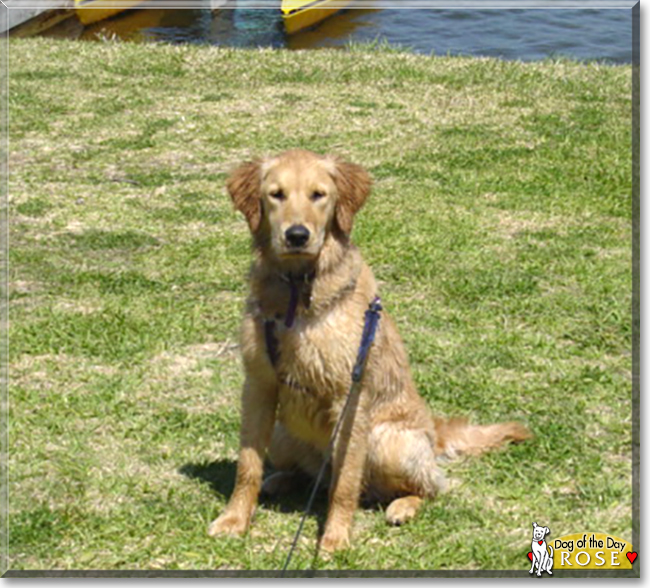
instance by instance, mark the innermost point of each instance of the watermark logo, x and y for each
(579, 551)
(540, 555)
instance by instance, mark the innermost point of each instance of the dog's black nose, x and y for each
(297, 235)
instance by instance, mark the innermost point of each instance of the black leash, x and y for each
(367, 338)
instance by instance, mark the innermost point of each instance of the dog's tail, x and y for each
(455, 436)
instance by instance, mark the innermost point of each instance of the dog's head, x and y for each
(293, 201)
(539, 532)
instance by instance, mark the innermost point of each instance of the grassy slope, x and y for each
(499, 229)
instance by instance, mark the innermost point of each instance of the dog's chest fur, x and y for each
(313, 358)
(316, 357)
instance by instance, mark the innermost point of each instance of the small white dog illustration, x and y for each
(540, 552)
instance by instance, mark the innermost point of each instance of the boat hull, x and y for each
(90, 11)
(301, 14)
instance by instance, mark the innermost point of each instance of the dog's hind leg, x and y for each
(401, 467)
(549, 562)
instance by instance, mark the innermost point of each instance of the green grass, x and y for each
(499, 229)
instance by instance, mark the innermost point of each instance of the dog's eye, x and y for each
(278, 195)
(317, 195)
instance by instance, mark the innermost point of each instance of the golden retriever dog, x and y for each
(309, 290)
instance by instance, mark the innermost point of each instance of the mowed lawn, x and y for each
(500, 231)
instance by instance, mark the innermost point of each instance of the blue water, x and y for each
(525, 34)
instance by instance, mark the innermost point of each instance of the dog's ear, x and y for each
(534, 525)
(244, 187)
(547, 531)
(353, 186)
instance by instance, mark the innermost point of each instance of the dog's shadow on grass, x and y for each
(220, 477)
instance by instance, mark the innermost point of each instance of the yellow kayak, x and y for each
(89, 11)
(300, 14)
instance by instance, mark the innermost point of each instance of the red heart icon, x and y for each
(631, 555)
(540, 542)
(530, 555)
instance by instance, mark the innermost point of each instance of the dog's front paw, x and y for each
(335, 539)
(228, 524)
